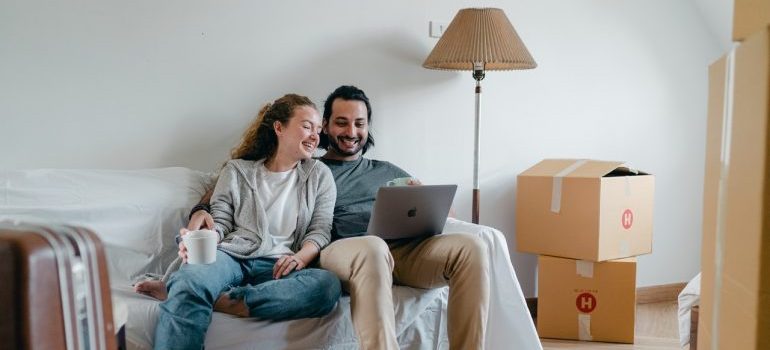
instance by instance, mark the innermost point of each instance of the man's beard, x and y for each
(337, 149)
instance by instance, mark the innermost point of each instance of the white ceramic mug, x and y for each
(201, 246)
(400, 181)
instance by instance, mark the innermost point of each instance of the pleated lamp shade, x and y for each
(481, 35)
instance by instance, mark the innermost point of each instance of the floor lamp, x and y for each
(479, 39)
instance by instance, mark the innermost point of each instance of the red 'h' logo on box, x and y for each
(585, 302)
(627, 219)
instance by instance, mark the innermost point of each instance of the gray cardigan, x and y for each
(239, 214)
(240, 218)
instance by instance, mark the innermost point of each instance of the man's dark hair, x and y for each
(348, 93)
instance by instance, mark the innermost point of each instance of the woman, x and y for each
(272, 208)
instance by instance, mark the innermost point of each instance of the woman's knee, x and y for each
(329, 289)
(198, 280)
(186, 283)
(305, 293)
(325, 291)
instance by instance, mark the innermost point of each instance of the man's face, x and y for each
(347, 129)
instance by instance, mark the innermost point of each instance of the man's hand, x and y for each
(199, 220)
(413, 182)
(287, 264)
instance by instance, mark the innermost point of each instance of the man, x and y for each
(367, 265)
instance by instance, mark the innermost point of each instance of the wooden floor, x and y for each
(657, 328)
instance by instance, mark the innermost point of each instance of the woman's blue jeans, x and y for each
(192, 290)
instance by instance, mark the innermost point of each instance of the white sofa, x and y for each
(137, 213)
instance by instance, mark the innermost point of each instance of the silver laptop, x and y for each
(410, 211)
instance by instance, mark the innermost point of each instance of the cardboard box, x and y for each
(735, 280)
(584, 209)
(713, 173)
(586, 300)
(749, 17)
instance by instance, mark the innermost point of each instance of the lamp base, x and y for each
(475, 209)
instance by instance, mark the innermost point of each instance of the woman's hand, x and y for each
(201, 219)
(182, 248)
(287, 264)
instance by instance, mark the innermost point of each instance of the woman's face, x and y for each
(298, 139)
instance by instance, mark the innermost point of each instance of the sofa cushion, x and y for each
(136, 213)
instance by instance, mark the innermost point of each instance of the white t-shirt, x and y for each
(278, 192)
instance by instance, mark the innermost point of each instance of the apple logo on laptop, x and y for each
(412, 212)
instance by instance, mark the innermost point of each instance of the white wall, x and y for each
(134, 84)
(718, 15)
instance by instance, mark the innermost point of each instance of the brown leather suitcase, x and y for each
(54, 290)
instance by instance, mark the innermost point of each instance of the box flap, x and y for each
(573, 168)
(625, 171)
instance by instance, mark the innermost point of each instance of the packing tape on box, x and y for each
(584, 327)
(557, 180)
(584, 268)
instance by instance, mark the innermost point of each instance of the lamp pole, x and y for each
(478, 75)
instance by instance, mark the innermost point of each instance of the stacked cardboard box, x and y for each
(735, 281)
(749, 17)
(587, 219)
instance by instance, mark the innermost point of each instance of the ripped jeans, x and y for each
(184, 317)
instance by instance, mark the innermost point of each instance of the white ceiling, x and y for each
(718, 15)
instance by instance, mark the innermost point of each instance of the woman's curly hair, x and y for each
(259, 141)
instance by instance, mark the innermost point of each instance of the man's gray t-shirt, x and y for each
(357, 184)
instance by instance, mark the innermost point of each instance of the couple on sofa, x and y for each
(272, 207)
